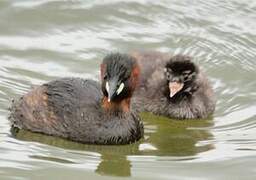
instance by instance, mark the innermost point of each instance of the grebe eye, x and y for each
(120, 88)
(107, 87)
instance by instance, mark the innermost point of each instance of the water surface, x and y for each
(44, 40)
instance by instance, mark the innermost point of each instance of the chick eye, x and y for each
(168, 75)
(107, 87)
(185, 77)
(120, 88)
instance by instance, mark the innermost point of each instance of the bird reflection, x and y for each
(163, 137)
(176, 137)
(115, 166)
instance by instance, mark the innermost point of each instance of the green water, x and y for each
(46, 39)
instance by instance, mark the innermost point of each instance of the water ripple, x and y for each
(43, 40)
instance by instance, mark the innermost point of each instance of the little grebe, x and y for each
(76, 109)
(173, 87)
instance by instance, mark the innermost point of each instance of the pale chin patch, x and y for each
(120, 89)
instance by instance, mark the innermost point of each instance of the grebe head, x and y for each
(180, 73)
(119, 76)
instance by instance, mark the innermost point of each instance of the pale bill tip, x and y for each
(172, 94)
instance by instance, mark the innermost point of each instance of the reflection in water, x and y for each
(113, 158)
(177, 138)
(118, 165)
(163, 137)
(47, 39)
